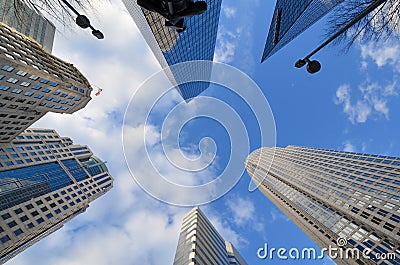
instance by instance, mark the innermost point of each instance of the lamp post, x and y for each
(314, 66)
(83, 22)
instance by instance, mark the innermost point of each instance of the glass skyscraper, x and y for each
(169, 47)
(291, 18)
(334, 194)
(29, 22)
(45, 180)
(201, 244)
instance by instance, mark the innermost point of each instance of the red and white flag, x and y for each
(98, 92)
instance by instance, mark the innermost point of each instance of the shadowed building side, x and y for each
(291, 18)
(27, 21)
(170, 48)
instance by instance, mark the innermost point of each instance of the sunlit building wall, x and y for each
(201, 244)
(334, 194)
(34, 82)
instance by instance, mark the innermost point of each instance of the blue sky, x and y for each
(352, 104)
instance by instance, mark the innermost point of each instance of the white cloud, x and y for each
(226, 45)
(242, 210)
(226, 230)
(349, 147)
(373, 100)
(229, 11)
(387, 54)
(243, 213)
(278, 215)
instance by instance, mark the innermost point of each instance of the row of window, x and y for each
(45, 209)
(34, 77)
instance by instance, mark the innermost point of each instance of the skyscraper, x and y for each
(27, 21)
(335, 194)
(170, 47)
(291, 18)
(45, 180)
(34, 82)
(200, 243)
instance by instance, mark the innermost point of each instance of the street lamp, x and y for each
(83, 22)
(314, 66)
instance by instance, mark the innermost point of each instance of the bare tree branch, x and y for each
(380, 25)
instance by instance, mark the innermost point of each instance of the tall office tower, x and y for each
(170, 47)
(291, 18)
(45, 180)
(34, 82)
(28, 21)
(334, 194)
(200, 243)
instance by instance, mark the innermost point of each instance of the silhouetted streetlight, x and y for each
(314, 66)
(83, 22)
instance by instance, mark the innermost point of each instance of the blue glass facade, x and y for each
(45, 180)
(291, 18)
(196, 43)
(37, 180)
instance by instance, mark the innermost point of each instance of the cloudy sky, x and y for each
(352, 105)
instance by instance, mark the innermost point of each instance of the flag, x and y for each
(98, 92)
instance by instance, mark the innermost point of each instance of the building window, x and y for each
(12, 224)
(4, 239)
(16, 91)
(6, 216)
(34, 77)
(39, 96)
(21, 73)
(4, 88)
(12, 80)
(7, 68)
(44, 81)
(25, 84)
(18, 232)
(46, 90)
(53, 84)
(28, 94)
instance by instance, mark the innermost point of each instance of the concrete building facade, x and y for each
(34, 82)
(339, 199)
(201, 244)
